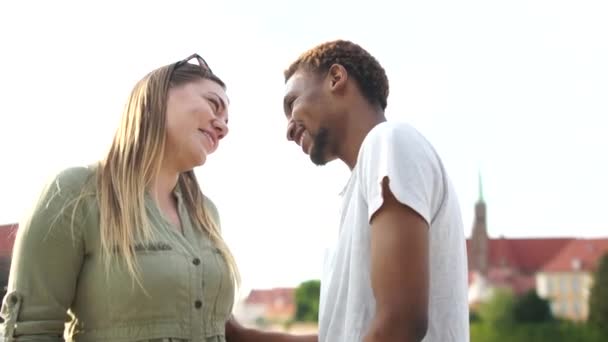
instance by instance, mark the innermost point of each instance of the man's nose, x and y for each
(291, 130)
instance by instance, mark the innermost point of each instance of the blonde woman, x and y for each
(130, 249)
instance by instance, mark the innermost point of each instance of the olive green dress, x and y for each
(58, 279)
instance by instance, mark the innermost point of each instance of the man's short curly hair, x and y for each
(362, 66)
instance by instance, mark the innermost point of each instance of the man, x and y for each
(398, 270)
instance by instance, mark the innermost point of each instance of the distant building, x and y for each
(559, 269)
(566, 280)
(7, 239)
(504, 263)
(267, 306)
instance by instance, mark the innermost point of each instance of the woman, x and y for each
(130, 246)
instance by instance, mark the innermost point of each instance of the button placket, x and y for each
(197, 303)
(196, 271)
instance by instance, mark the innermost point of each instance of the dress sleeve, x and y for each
(46, 262)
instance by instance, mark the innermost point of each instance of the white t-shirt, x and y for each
(417, 179)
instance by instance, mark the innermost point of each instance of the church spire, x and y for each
(479, 238)
(480, 188)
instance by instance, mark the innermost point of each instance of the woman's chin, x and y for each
(198, 160)
(201, 161)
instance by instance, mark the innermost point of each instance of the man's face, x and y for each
(308, 110)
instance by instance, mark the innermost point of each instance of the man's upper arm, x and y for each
(399, 261)
(401, 183)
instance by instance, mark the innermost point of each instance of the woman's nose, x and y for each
(221, 128)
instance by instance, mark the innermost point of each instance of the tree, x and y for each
(498, 311)
(5, 266)
(598, 300)
(307, 301)
(474, 317)
(530, 308)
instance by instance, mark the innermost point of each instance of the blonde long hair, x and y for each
(133, 161)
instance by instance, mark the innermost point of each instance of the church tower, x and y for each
(479, 238)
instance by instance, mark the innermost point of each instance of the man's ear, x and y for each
(338, 76)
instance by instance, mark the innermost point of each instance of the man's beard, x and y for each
(318, 154)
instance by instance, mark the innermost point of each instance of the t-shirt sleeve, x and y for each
(402, 155)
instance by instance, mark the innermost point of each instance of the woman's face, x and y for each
(197, 119)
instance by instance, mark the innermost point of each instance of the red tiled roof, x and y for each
(500, 253)
(532, 254)
(270, 296)
(526, 255)
(7, 238)
(582, 254)
(278, 303)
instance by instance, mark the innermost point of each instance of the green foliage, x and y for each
(5, 267)
(538, 332)
(505, 318)
(498, 311)
(307, 301)
(530, 308)
(598, 300)
(474, 317)
(261, 322)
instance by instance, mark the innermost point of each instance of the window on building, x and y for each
(576, 284)
(562, 284)
(563, 310)
(550, 289)
(576, 308)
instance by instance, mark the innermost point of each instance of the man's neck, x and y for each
(358, 124)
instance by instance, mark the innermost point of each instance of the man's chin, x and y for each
(318, 162)
(320, 159)
(318, 149)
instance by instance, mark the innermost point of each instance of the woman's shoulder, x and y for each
(212, 209)
(70, 183)
(210, 205)
(64, 199)
(72, 179)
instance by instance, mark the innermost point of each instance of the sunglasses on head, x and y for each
(200, 60)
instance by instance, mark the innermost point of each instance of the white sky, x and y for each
(518, 89)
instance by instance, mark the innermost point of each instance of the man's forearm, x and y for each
(384, 329)
(253, 335)
(235, 332)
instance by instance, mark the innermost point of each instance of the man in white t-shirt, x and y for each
(398, 271)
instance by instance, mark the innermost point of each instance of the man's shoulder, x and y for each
(398, 126)
(397, 137)
(393, 131)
